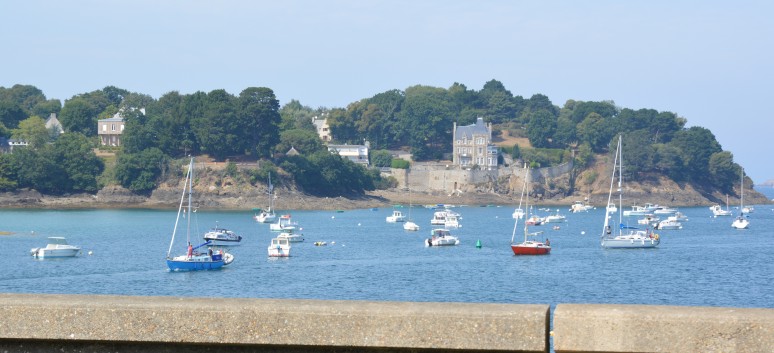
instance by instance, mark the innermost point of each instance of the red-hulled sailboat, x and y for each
(528, 247)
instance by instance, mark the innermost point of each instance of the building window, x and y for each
(112, 127)
(104, 127)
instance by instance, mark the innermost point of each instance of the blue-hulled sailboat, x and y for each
(193, 260)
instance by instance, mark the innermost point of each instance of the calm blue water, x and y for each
(707, 263)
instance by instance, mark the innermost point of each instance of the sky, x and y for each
(710, 62)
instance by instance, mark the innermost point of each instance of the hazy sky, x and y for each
(710, 62)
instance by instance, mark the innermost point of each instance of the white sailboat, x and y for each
(410, 225)
(268, 215)
(635, 238)
(741, 221)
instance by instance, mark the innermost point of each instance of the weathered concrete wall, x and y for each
(80, 323)
(648, 328)
(268, 324)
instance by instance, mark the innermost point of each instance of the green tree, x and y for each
(7, 172)
(724, 173)
(304, 141)
(75, 154)
(46, 108)
(33, 130)
(78, 115)
(11, 114)
(139, 172)
(697, 145)
(217, 129)
(258, 118)
(427, 121)
(381, 158)
(667, 161)
(595, 131)
(541, 128)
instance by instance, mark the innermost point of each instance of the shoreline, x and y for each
(293, 200)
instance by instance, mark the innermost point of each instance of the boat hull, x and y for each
(530, 249)
(266, 218)
(53, 253)
(198, 262)
(630, 243)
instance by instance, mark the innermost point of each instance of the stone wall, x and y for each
(97, 323)
(430, 177)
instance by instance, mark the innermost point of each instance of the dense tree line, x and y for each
(253, 124)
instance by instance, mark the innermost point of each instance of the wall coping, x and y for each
(284, 322)
(654, 328)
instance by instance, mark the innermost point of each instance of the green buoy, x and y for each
(478, 244)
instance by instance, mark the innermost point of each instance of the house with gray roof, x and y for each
(472, 145)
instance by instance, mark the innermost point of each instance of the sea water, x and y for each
(707, 263)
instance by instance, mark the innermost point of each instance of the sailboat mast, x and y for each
(515, 224)
(620, 183)
(190, 193)
(180, 208)
(526, 205)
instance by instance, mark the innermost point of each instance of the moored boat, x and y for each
(279, 247)
(634, 238)
(222, 236)
(528, 247)
(56, 247)
(193, 260)
(441, 237)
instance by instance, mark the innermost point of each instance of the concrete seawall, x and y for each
(91, 323)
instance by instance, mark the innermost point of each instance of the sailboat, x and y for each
(410, 225)
(528, 247)
(741, 221)
(635, 238)
(193, 260)
(268, 215)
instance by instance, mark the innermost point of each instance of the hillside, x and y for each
(214, 191)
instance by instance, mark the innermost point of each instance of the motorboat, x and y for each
(291, 236)
(635, 238)
(518, 213)
(441, 237)
(580, 206)
(56, 247)
(451, 221)
(611, 208)
(636, 210)
(222, 236)
(662, 210)
(670, 223)
(439, 216)
(397, 216)
(534, 221)
(555, 218)
(650, 220)
(279, 247)
(741, 222)
(283, 224)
